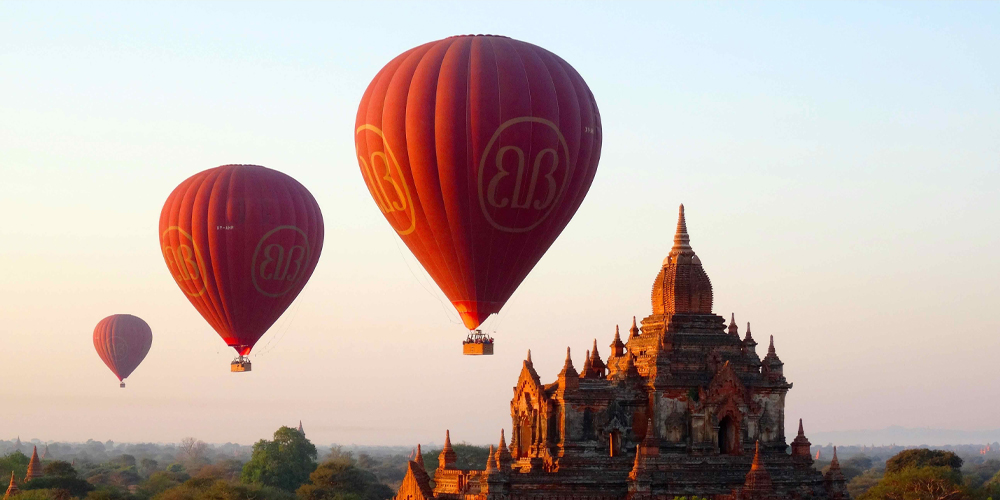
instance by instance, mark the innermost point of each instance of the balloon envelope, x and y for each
(241, 241)
(122, 341)
(478, 150)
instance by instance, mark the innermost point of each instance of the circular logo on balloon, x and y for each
(280, 260)
(184, 260)
(120, 347)
(523, 173)
(384, 178)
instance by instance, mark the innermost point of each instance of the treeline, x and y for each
(920, 474)
(287, 467)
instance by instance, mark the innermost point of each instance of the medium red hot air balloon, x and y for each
(478, 150)
(122, 341)
(241, 241)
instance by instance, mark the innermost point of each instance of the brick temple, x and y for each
(684, 406)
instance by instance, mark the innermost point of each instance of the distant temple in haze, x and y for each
(683, 407)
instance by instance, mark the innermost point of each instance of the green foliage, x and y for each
(285, 462)
(922, 457)
(148, 466)
(468, 457)
(341, 479)
(919, 483)
(108, 493)
(161, 481)
(72, 485)
(860, 484)
(15, 462)
(42, 494)
(860, 462)
(220, 489)
(977, 475)
(59, 468)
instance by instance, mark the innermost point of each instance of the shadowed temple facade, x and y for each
(683, 406)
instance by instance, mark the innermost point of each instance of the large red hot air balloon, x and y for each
(241, 241)
(478, 150)
(122, 341)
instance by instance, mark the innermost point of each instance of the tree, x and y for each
(60, 481)
(71, 485)
(919, 483)
(218, 489)
(285, 462)
(59, 468)
(15, 462)
(342, 479)
(922, 457)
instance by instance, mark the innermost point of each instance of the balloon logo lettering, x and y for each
(184, 260)
(385, 179)
(523, 173)
(280, 260)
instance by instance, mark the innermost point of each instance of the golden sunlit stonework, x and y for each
(683, 407)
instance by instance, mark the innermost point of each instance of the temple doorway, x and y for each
(727, 437)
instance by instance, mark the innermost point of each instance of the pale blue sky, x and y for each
(839, 162)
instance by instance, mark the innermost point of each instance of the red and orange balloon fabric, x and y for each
(122, 341)
(241, 241)
(478, 150)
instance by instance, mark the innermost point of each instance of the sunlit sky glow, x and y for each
(839, 163)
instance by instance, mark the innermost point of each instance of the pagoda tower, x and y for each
(34, 466)
(12, 489)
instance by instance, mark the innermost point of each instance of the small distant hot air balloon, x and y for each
(122, 341)
(241, 241)
(478, 150)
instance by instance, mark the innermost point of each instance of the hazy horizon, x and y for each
(838, 163)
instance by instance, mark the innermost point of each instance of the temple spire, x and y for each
(770, 348)
(568, 369)
(597, 365)
(12, 489)
(633, 332)
(420, 457)
(682, 242)
(34, 466)
(503, 456)
(587, 365)
(448, 457)
(491, 461)
(528, 359)
(617, 347)
(733, 329)
(801, 445)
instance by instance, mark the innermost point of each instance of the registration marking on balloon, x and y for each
(184, 260)
(517, 193)
(384, 178)
(280, 260)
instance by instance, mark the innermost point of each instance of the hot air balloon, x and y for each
(122, 341)
(478, 150)
(241, 241)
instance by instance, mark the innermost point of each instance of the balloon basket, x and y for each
(240, 364)
(122, 385)
(477, 344)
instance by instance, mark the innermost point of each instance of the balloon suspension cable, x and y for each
(448, 312)
(240, 364)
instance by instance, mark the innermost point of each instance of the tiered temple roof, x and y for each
(683, 407)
